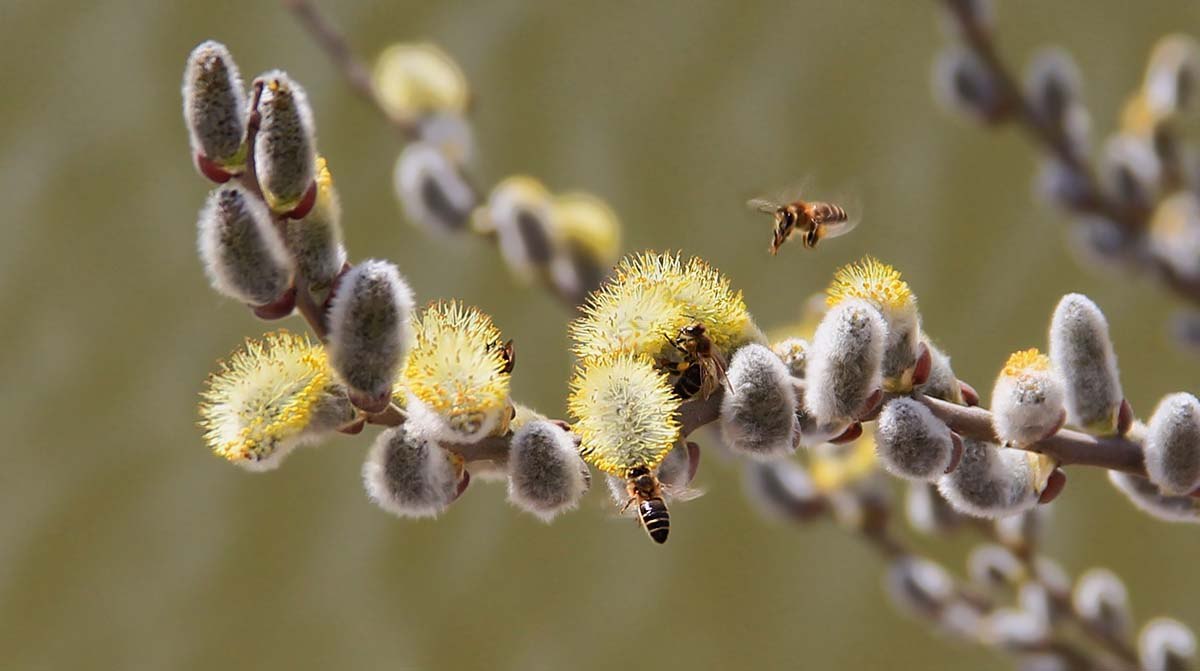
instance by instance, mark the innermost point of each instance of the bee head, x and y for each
(694, 330)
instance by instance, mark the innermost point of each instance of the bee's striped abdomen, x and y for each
(655, 519)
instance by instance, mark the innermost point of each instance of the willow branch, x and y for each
(1116, 453)
(353, 69)
(1053, 138)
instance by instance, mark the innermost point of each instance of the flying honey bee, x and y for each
(702, 369)
(814, 220)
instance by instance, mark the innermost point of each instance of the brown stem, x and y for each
(1117, 453)
(1053, 138)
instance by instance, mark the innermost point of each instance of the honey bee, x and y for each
(815, 220)
(507, 355)
(645, 491)
(702, 369)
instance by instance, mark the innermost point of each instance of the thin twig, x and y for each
(338, 50)
(1116, 453)
(357, 75)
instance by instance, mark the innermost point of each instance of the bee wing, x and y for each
(762, 205)
(840, 228)
(673, 493)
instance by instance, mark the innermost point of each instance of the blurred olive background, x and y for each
(124, 544)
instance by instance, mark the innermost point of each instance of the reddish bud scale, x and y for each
(305, 205)
(1054, 486)
(278, 309)
(367, 403)
(970, 396)
(955, 453)
(211, 169)
(924, 366)
(851, 434)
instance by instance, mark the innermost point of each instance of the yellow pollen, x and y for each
(870, 280)
(1026, 361)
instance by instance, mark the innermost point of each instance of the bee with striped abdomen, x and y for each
(814, 220)
(702, 369)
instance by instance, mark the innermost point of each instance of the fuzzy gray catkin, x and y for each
(546, 475)
(1166, 645)
(410, 477)
(911, 442)
(994, 567)
(214, 104)
(758, 412)
(1053, 86)
(1172, 444)
(370, 328)
(1027, 401)
(844, 361)
(285, 147)
(918, 587)
(1083, 356)
(781, 489)
(991, 481)
(1101, 599)
(963, 84)
(1147, 497)
(243, 254)
(315, 241)
(794, 354)
(432, 190)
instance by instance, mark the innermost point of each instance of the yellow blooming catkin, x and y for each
(415, 80)
(270, 396)
(650, 297)
(626, 413)
(880, 285)
(455, 371)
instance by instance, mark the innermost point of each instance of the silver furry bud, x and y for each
(410, 477)
(758, 412)
(315, 241)
(546, 476)
(214, 105)
(432, 190)
(994, 567)
(782, 489)
(243, 253)
(1082, 354)
(1147, 497)
(844, 365)
(918, 587)
(1100, 598)
(1172, 444)
(992, 481)
(285, 148)
(794, 354)
(370, 330)
(1166, 645)
(911, 442)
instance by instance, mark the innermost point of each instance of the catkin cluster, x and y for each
(270, 237)
(1132, 198)
(566, 241)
